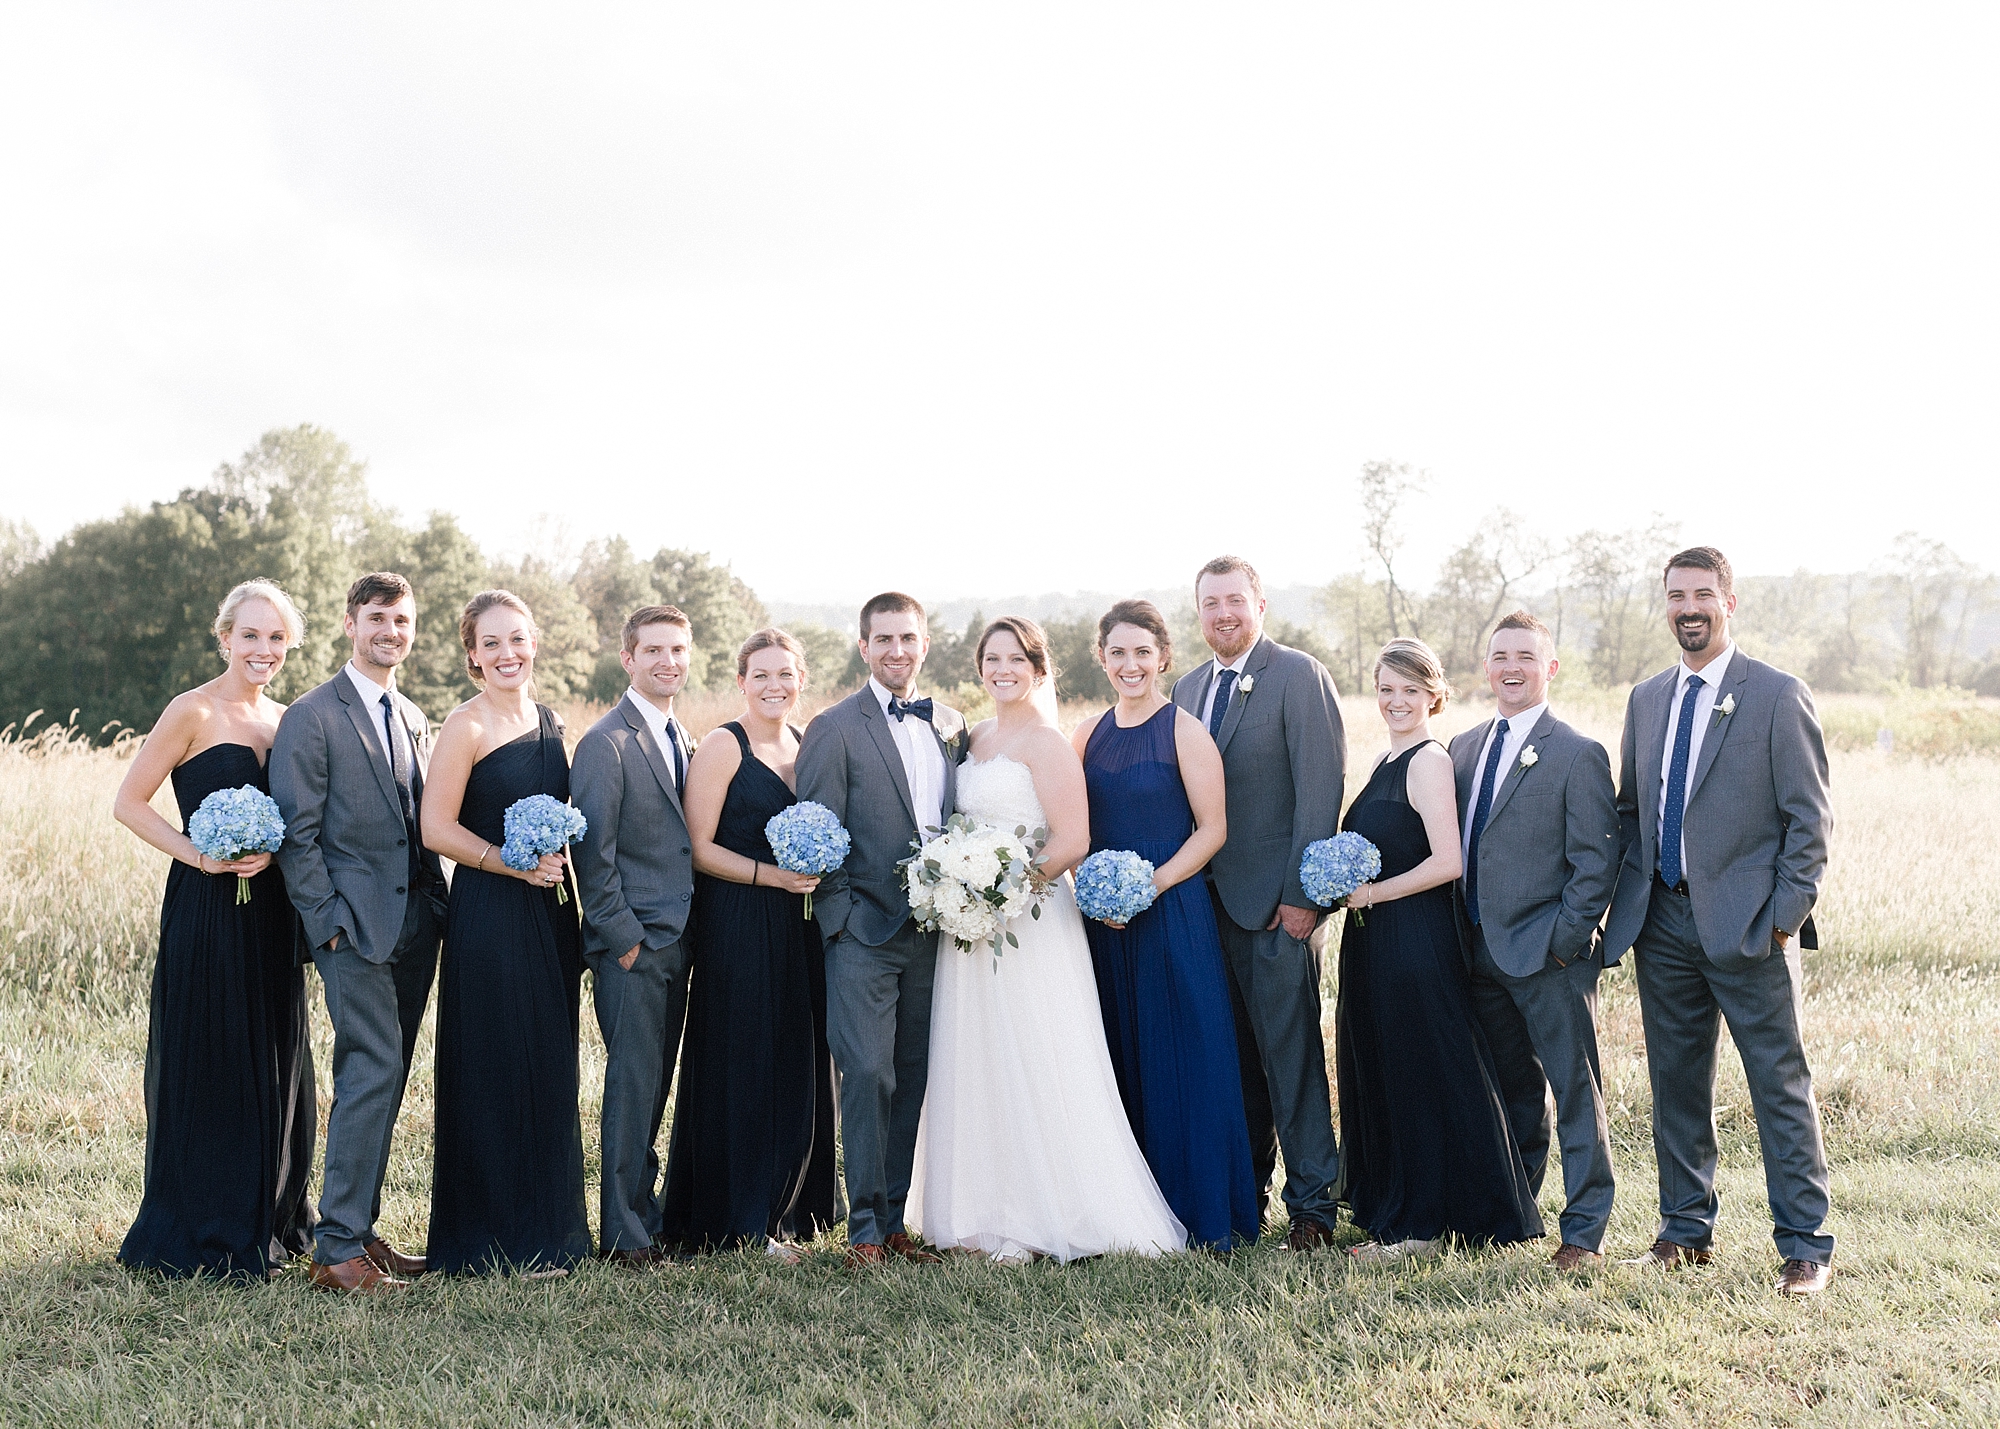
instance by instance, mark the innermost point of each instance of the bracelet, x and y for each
(200, 862)
(481, 865)
(755, 867)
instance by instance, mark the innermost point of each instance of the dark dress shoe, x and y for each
(1669, 1255)
(643, 1258)
(1570, 1259)
(864, 1256)
(1308, 1235)
(359, 1276)
(391, 1261)
(901, 1244)
(1803, 1277)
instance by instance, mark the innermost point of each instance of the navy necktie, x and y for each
(1225, 685)
(922, 709)
(680, 760)
(1482, 809)
(1677, 771)
(399, 768)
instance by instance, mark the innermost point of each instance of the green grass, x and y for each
(1903, 1018)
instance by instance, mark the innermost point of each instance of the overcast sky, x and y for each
(1010, 297)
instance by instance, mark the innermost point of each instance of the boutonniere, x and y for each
(1725, 709)
(1528, 757)
(954, 739)
(1247, 684)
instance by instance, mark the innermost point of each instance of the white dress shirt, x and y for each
(1519, 727)
(1704, 720)
(923, 760)
(1215, 682)
(661, 724)
(371, 700)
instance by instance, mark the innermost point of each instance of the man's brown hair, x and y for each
(652, 615)
(1523, 620)
(1229, 566)
(378, 588)
(1703, 558)
(894, 602)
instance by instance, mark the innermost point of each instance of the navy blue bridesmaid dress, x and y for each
(230, 1114)
(507, 1180)
(1163, 995)
(1426, 1145)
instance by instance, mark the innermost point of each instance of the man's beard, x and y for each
(1696, 639)
(1244, 638)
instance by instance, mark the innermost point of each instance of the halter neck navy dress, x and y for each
(1163, 993)
(507, 1181)
(1427, 1146)
(230, 1114)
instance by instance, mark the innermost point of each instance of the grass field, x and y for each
(1903, 1010)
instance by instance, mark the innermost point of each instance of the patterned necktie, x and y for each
(1482, 809)
(1677, 773)
(1225, 685)
(399, 767)
(923, 709)
(680, 760)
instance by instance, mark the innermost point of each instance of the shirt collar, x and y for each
(1237, 664)
(656, 720)
(1526, 720)
(367, 688)
(882, 695)
(1711, 673)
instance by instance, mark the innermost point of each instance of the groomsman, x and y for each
(1275, 716)
(1723, 814)
(635, 880)
(347, 770)
(1538, 817)
(886, 764)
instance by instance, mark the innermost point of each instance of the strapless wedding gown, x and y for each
(1024, 1147)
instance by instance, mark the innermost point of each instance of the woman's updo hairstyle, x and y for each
(258, 589)
(1033, 639)
(468, 623)
(1146, 616)
(771, 638)
(1419, 664)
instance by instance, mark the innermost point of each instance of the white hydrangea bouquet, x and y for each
(972, 879)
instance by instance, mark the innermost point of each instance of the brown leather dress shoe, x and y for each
(1309, 1235)
(1803, 1277)
(1570, 1259)
(863, 1255)
(359, 1276)
(644, 1258)
(391, 1261)
(901, 1244)
(1669, 1255)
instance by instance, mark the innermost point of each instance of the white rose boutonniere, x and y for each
(1725, 709)
(1529, 757)
(1247, 684)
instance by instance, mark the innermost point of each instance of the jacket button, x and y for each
(399, 890)
(402, 843)
(685, 850)
(684, 898)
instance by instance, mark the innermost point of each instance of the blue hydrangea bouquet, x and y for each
(806, 838)
(537, 825)
(1333, 868)
(233, 822)
(1114, 886)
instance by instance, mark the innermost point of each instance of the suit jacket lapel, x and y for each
(1718, 729)
(371, 740)
(1465, 768)
(1543, 727)
(885, 741)
(655, 757)
(1259, 657)
(1652, 734)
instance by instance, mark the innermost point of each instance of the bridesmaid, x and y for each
(507, 1182)
(1428, 1149)
(230, 1115)
(751, 1160)
(1155, 784)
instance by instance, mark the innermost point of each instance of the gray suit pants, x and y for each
(641, 1013)
(1681, 994)
(1281, 1055)
(376, 1010)
(1543, 1032)
(878, 1022)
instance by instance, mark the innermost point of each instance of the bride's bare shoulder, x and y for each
(1045, 742)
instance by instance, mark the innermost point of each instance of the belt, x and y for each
(1680, 888)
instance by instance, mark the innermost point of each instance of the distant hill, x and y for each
(1295, 603)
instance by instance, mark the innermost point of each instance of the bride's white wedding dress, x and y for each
(1024, 1147)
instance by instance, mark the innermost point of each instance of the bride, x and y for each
(1024, 1147)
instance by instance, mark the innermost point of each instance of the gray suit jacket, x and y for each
(346, 854)
(635, 863)
(1756, 820)
(1284, 755)
(1548, 858)
(850, 763)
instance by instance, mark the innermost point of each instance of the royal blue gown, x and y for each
(1163, 993)
(1427, 1149)
(230, 1115)
(507, 1177)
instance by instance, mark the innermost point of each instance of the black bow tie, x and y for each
(920, 708)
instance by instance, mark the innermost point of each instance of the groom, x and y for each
(886, 764)
(347, 770)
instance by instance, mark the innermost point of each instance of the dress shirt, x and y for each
(1519, 727)
(661, 724)
(1215, 679)
(371, 701)
(1704, 720)
(923, 760)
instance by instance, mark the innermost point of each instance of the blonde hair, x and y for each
(1417, 662)
(258, 589)
(468, 624)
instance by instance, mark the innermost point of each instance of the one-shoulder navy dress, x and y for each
(230, 1114)
(1163, 992)
(507, 1180)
